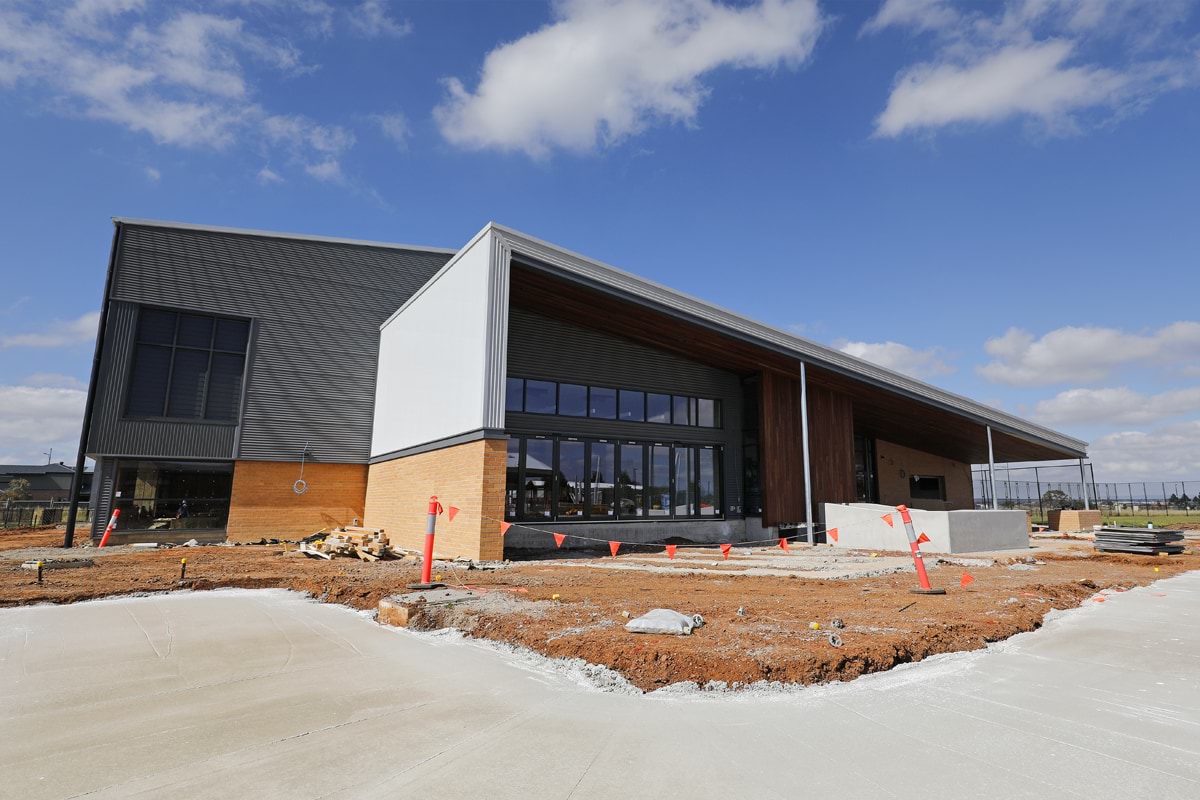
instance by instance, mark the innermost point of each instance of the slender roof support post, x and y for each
(992, 470)
(807, 467)
(1083, 480)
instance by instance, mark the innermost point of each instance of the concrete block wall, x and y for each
(468, 476)
(264, 505)
(1068, 519)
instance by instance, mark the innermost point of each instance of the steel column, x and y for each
(992, 469)
(808, 503)
(1083, 485)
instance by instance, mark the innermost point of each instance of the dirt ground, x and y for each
(758, 606)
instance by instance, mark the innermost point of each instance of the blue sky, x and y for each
(999, 198)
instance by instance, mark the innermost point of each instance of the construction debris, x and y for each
(1143, 541)
(364, 543)
(666, 621)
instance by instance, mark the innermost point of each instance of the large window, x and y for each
(172, 495)
(570, 478)
(187, 366)
(602, 402)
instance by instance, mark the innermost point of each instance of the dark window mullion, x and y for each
(171, 369)
(554, 472)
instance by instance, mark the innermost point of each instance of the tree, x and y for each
(18, 489)
(1056, 498)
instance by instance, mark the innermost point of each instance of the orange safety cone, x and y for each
(112, 523)
(918, 562)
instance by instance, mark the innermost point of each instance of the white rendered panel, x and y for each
(434, 360)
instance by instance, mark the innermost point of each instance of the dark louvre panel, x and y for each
(232, 335)
(225, 386)
(148, 381)
(194, 331)
(156, 327)
(187, 384)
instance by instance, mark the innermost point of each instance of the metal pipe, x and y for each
(1041, 506)
(85, 432)
(807, 467)
(992, 468)
(1083, 485)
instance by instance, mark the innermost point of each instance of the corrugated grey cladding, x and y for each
(103, 478)
(112, 435)
(539, 347)
(317, 308)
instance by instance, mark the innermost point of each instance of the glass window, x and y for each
(685, 496)
(232, 334)
(512, 478)
(631, 495)
(541, 397)
(514, 394)
(601, 474)
(659, 490)
(539, 455)
(658, 408)
(148, 381)
(602, 403)
(187, 366)
(172, 495)
(706, 413)
(572, 400)
(633, 406)
(681, 410)
(194, 331)
(709, 489)
(572, 473)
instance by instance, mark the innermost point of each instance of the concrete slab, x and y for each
(265, 694)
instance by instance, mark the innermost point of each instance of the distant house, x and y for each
(46, 481)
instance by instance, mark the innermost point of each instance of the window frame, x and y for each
(688, 401)
(173, 348)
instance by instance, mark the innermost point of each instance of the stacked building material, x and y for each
(365, 543)
(1144, 541)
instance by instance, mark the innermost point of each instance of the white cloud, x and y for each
(606, 69)
(267, 176)
(899, 357)
(179, 77)
(329, 170)
(53, 380)
(1167, 453)
(395, 127)
(1084, 354)
(57, 334)
(33, 419)
(152, 174)
(1034, 59)
(1116, 406)
(371, 18)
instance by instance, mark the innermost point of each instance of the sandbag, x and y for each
(666, 621)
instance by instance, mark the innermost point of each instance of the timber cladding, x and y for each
(831, 447)
(468, 476)
(263, 503)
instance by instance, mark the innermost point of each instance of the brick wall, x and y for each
(263, 504)
(469, 476)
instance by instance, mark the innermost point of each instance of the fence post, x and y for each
(1041, 506)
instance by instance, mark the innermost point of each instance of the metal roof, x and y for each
(36, 469)
(154, 223)
(607, 277)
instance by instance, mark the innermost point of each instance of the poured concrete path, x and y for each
(238, 694)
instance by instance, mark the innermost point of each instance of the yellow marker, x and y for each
(874, 555)
(816, 626)
(183, 561)
(555, 597)
(437, 577)
(1156, 569)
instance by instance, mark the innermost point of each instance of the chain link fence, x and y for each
(1040, 490)
(32, 513)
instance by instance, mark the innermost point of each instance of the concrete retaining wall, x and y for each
(861, 525)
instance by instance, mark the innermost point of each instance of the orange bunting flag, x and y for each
(784, 545)
(922, 539)
(559, 538)
(671, 550)
(888, 519)
(614, 547)
(967, 580)
(452, 511)
(832, 533)
(504, 526)
(725, 550)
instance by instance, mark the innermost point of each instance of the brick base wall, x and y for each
(468, 476)
(1068, 519)
(263, 504)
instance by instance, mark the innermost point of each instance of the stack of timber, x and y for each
(1144, 541)
(364, 543)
